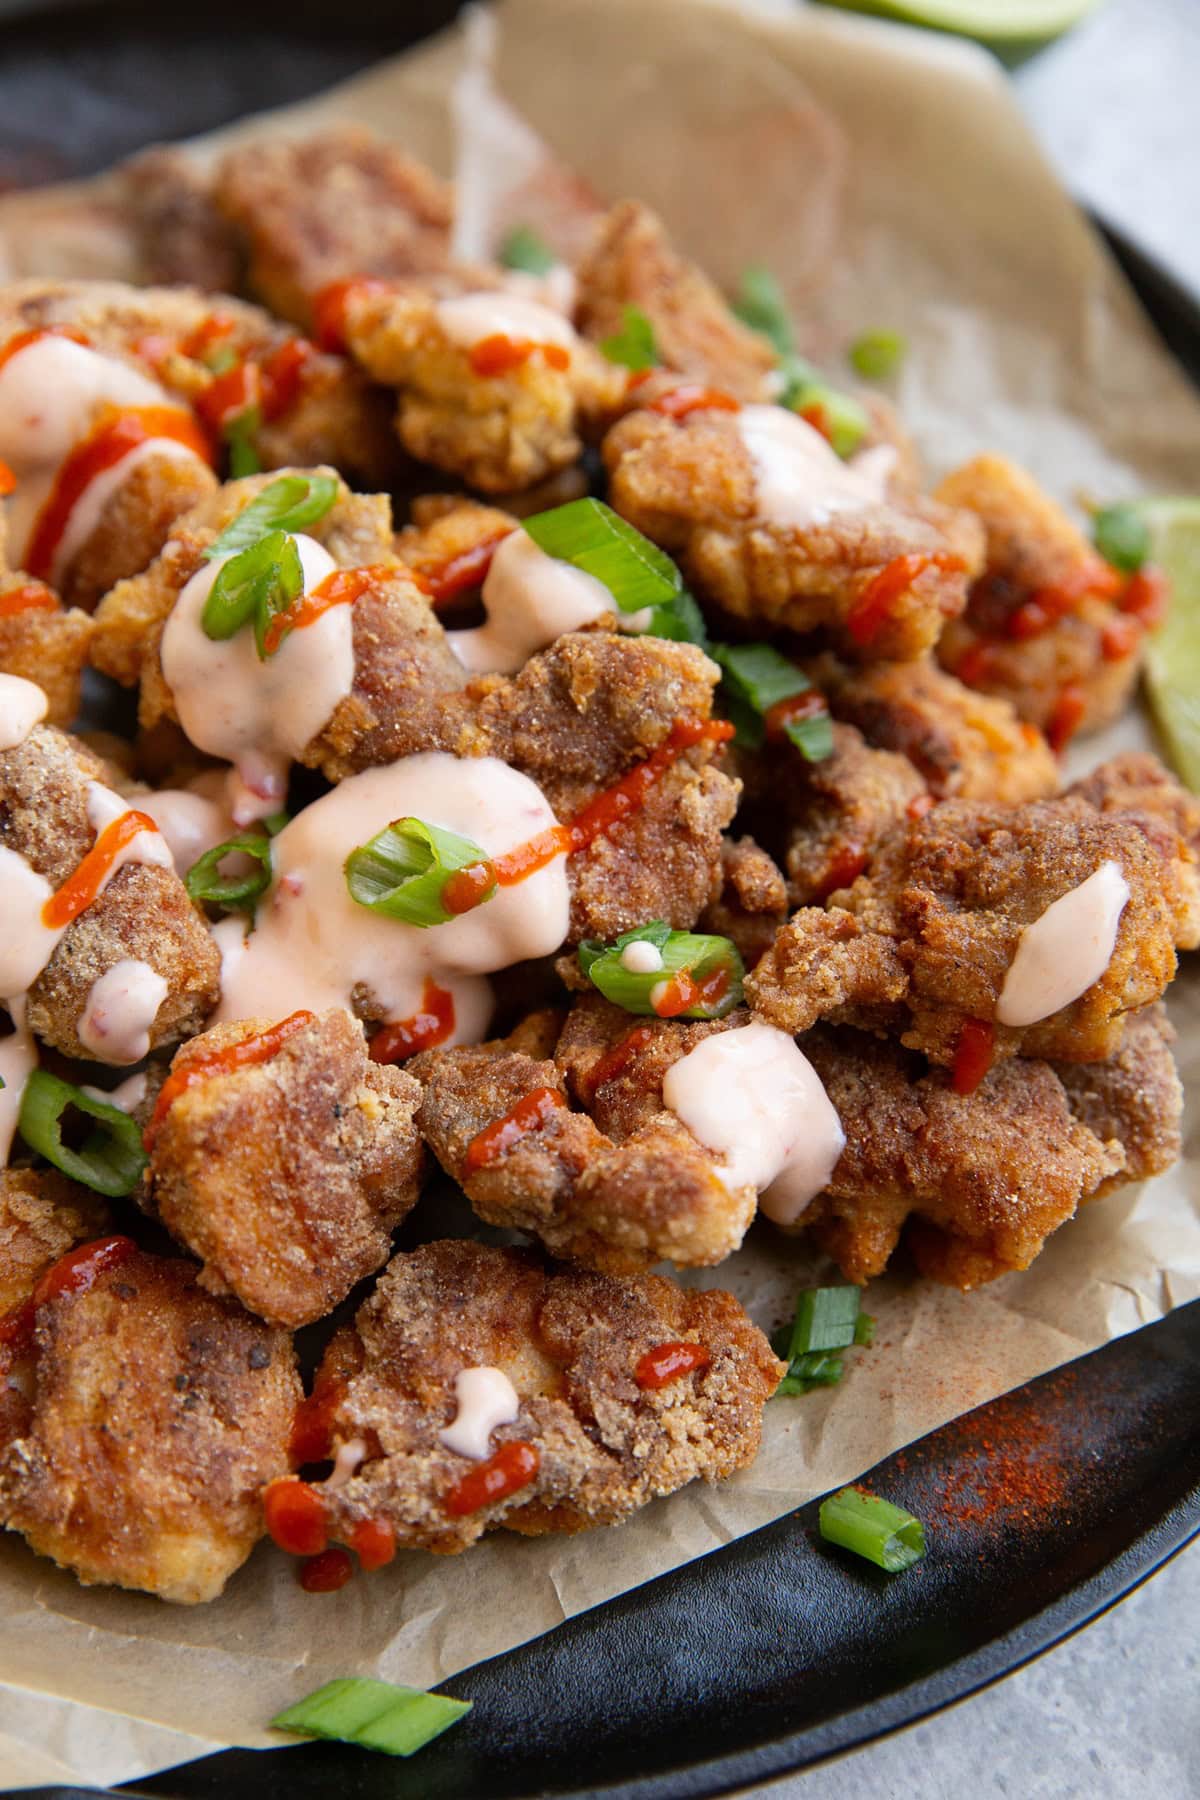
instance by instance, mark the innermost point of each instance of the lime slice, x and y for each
(992, 21)
(1173, 653)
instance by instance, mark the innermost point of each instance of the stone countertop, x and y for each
(1115, 1709)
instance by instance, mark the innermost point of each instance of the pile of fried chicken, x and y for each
(303, 321)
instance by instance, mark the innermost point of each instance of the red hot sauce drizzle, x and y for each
(668, 1362)
(973, 1055)
(74, 1273)
(431, 1026)
(244, 1055)
(512, 1468)
(497, 1139)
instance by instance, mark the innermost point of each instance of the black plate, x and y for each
(775, 1652)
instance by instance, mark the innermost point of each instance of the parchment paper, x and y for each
(889, 180)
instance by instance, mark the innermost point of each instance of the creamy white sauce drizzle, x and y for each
(258, 715)
(313, 945)
(530, 600)
(468, 319)
(349, 1459)
(49, 396)
(191, 823)
(18, 1060)
(120, 1010)
(1066, 950)
(751, 1096)
(22, 706)
(641, 958)
(126, 1097)
(799, 479)
(486, 1398)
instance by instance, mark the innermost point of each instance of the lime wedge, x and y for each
(1173, 653)
(1003, 22)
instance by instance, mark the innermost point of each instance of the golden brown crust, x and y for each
(182, 238)
(136, 524)
(839, 811)
(570, 1344)
(48, 646)
(287, 1178)
(1135, 1098)
(157, 1414)
(753, 900)
(1138, 786)
(42, 1216)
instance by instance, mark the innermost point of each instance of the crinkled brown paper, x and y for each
(888, 178)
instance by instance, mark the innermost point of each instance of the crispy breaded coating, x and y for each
(633, 263)
(924, 942)
(1135, 1098)
(182, 238)
(450, 533)
(45, 643)
(327, 207)
(753, 900)
(608, 1191)
(1138, 786)
(287, 1178)
(156, 1415)
(42, 1216)
(837, 812)
(965, 745)
(499, 432)
(135, 524)
(981, 1179)
(144, 914)
(690, 484)
(570, 1343)
(1041, 627)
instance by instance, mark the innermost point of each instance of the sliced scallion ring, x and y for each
(523, 249)
(760, 304)
(884, 1534)
(254, 585)
(672, 974)
(111, 1159)
(239, 435)
(756, 680)
(1122, 537)
(404, 869)
(232, 893)
(841, 418)
(291, 503)
(827, 1320)
(376, 1715)
(591, 536)
(877, 354)
(633, 347)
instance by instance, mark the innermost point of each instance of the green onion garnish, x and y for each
(757, 678)
(111, 1159)
(257, 583)
(592, 537)
(826, 1320)
(376, 1715)
(403, 872)
(291, 503)
(232, 893)
(239, 435)
(837, 416)
(884, 1534)
(760, 304)
(524, 249)
(692, 977)
(877, 354)
(1122, 537)
(633, 346)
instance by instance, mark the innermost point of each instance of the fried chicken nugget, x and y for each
(43, 641)
(618, 1187)
(286, 1178)
(42, 1216)
(1041, 627)
(879, 571)
(327, 207)
(155, 1415)
(1137, 785)
(753, 900)
(596, 1431)
(979, 1181)
(924, 943)
(966, 745)
(143, 916)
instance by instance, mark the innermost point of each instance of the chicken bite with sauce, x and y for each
(479, 1388)
(42, 1216)
(97, 925)
(283, 1158)
(770, 524)
(977, 1182)
(982, 932)
(44, 642)
(142, 1418)
(1049, 625)
(752, 903)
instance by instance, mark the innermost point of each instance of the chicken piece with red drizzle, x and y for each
(927, 944)
(285, 1175)
(769, 524)
(42, 1216)
(449, 544)
(142, 1418)
(85, 865)
(601, 1395)
(43, 641)
(1049, 624)
(491, 386)
(977, 1182)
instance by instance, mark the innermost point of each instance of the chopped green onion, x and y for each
(1122, 537)
(760, 304)
(239, 435)
(884, 1534)
(680, 953)
(524, 249)
(291, 503)
(826, 1320)
(877, 354)
(756, 678)
(820, 1368)
(257, 583)
(864, 1330)
(403, 870)
(376, 1715)
(590, 536)
(111, 1159)
(837, 416)
(233, 893)
(679, 619)
(633, 346)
